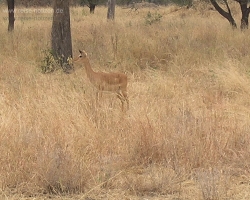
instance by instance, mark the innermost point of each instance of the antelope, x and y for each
(111, 82)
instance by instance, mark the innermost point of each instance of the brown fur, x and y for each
(112, 82)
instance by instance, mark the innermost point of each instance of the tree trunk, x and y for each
(245, 14)
(61, 34)
(92, 8)
(111, 9)
(225, 14)
(11, 7)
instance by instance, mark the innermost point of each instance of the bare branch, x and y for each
(228, 9)
(225, 14)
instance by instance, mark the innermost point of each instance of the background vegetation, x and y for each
(100, 2)
(186, 135)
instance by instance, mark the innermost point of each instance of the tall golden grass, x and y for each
(186, 135)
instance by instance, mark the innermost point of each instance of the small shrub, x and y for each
(49, 63)
(152, 18)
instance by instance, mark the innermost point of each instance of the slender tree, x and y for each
(111, 9)
(245, 10)
(92, 7)
(61, 34)
(11, 7)
(244, 13)
(92, 4)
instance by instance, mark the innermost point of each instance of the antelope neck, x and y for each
(90, 72)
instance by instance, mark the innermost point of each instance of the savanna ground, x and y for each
(185, 136)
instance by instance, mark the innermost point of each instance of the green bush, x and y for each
(49, 63)
(152, 18)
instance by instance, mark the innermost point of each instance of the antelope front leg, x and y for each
(125, 97)
(127, 103)
(122, 99)
(97, 99)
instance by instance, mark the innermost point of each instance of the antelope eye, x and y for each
(80, 56)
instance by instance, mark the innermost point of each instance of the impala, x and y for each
(111, 82)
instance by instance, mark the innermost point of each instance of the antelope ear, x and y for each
(80, 51)
(85, 53)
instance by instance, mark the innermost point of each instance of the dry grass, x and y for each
(186, 135)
